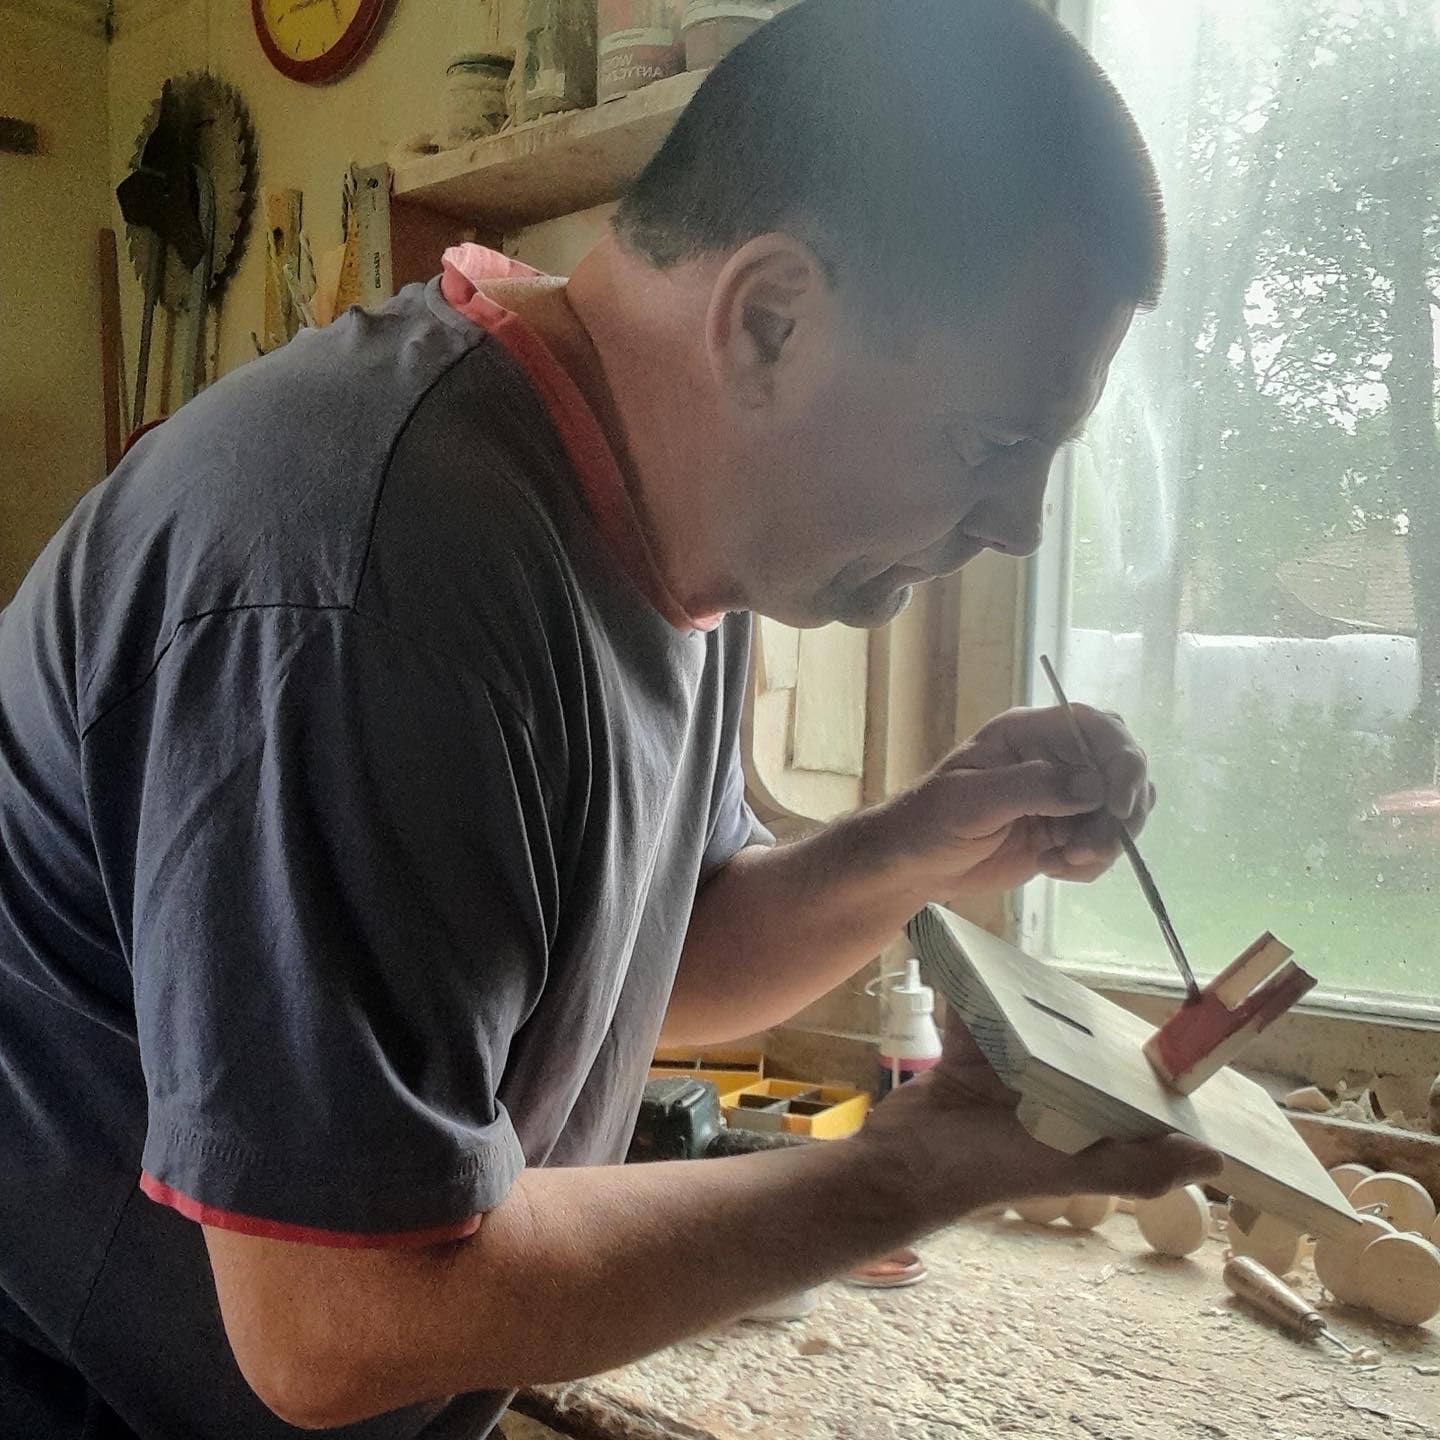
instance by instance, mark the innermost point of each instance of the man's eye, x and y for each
(976, 447)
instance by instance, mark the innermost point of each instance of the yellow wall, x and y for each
(52, 72)
(306, 135)
(90, 101)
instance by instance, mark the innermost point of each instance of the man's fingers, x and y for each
(983, 801)
(1125, 782)
(1091, 839)
(1025, 734)
(1056, 867)
(1145, 1168)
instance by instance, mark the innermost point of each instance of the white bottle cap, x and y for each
(911, 997)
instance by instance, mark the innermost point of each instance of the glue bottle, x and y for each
(910, 1042)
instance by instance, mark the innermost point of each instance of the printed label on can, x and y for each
(639, 41)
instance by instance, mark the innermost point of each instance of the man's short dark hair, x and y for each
(918, 145)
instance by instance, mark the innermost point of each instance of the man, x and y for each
(370, 786)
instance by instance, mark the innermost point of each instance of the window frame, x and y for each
(1375, 1032)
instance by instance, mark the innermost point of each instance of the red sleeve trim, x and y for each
(162, 1193)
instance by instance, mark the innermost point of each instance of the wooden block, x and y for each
(1204, 1035)
(1399, 1279)
(1407, 1203)
(1338, 1263)
(1068, 1049)
(1239, 980)
(1176, 1224)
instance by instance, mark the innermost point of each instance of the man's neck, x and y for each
(623, 373)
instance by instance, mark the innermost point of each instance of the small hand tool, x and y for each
(1142, 871)
(1255, 1285)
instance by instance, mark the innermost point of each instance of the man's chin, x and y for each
(870, 609)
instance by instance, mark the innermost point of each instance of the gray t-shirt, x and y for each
(353, 801)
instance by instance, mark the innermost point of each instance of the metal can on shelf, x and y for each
(713, 28)
(475, 103)
(639, 41)
(555, 67)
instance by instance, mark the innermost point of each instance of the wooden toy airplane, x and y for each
(1080, 1066)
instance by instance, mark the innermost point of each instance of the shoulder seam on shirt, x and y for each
(395, 440)
(180, 624)
(497, 691)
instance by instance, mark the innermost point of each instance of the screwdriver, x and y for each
(1254, 1284)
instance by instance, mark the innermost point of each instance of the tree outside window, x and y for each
(1250, 560)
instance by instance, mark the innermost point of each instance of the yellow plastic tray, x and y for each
(844, 1113)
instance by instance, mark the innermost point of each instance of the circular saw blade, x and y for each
(216, 135)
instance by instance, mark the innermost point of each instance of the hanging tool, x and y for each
(1251, 1282)
(1142, 871)
(186, 202)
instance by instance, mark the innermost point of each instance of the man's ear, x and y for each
(769, 321)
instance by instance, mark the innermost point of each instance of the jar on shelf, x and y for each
(639, 41)
(713, 28)
(555, 64)
(475, 103)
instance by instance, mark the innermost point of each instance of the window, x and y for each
(1244, 554)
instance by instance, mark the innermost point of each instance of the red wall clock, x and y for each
(316, 40)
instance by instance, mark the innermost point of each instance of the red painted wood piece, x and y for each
(1204, 1035)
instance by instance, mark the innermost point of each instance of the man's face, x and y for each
(894, 467)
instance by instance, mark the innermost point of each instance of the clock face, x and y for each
(315, 40)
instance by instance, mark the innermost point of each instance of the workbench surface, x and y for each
(1030, 1332)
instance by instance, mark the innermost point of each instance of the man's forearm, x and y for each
(778, 928)
(575, 1272)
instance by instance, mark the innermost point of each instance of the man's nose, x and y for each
(1012, 518)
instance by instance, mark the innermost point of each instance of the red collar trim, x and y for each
(466, 267)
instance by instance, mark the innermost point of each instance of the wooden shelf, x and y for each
(551, 166)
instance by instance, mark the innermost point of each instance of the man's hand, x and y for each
(776, 928)
(953, 1133)
(1019, 800)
